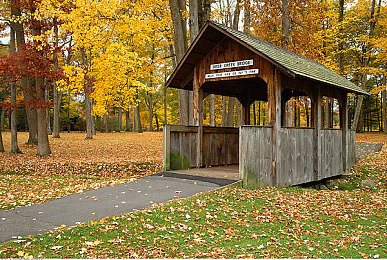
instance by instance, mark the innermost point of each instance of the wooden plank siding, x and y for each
(295, 165)
(351, 149)
(183, 148)
(256, 156)
(219, 146)
(331, 153)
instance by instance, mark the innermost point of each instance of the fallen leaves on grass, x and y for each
(231, 223)
(76, 165)
(373, 137)
(372, 167)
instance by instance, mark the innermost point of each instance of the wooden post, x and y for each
(198, 116)
(245, 114)
(167, 147)
(344, 128)
(274, 100)
(316, 121)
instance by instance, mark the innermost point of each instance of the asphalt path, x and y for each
(95, 204)
(363, 149)
(114, 200)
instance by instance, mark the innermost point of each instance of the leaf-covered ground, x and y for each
(231, 223)
(374, 137)
(236, 223)
(371, 167)
(75, 165)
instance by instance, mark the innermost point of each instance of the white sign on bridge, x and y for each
(232, 74)
(231, 64)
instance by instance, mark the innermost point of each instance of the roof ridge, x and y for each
(263, 41)
(294, 62)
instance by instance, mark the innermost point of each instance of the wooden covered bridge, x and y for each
(227, 62)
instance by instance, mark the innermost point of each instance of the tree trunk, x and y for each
(254, 114)
(135, 128)
(235, 22)
(89, 123)
(239, 112)
(47, 99)
(27, 89)
(204, 12)
(224, 112)
(212, 110)
(119, 120)
(193, 19)
(68, 111)
(127, 120)
(165, 105)
(43, 143)
(360, 126)
(177, 7)
(105, 123)
(2, 119)
(183, 97)
(247, 22)
(285, 24)
(294, 115)
(14, 144)
(1, 129)
(193, 32)
(378, 113)
(373, 21)
(230, 111)
(138, 119)
(1, 141)
(57, 94)
(340, 46)
(93, 122)
(328, 113)
(384, 114)
(150, 112)
(307, 115)
(157, 122)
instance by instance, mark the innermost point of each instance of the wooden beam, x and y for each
(274, 99)
(245, 114)
(277, 124)
(343, 108)
(166, 147)
(198, 116)
(316, 121)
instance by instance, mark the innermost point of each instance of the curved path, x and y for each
(95, 204)
(363, 149)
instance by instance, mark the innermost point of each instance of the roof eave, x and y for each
(181, 62)
(362, 92)
(248, 46)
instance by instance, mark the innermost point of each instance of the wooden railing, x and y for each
(295, 158)
(220, 146)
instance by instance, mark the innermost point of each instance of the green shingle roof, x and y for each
(297, 64)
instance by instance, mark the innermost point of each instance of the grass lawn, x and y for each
(75, 165)
(230, 223)
(346, 222)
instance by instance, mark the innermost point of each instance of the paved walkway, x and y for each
(363, 149)
(108, 201)
(124, 198)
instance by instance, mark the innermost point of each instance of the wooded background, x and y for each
(87, 65)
